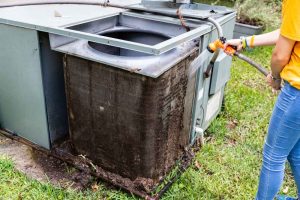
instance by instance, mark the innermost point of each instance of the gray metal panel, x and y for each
(213, 107)
(221, 73)
(195, 10)
(213, 103)
(22, 103)
(206, 106)
(200, 96)
(221, 70)
(57, 15)
(54, 89)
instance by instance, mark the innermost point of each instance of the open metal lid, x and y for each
(59, 19)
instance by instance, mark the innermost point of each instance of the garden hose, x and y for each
(219, 44)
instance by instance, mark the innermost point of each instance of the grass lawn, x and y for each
(228, 165)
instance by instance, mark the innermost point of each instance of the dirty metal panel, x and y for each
(22, 103)
(54, 90)
(196, 10)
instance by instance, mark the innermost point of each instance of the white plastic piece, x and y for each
(199, 131)
(200, 134)
(57, 14)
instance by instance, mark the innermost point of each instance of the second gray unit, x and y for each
(32, 95)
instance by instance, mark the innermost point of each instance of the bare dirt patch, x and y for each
(41, 167)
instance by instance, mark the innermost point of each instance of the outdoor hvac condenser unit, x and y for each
(135, 91)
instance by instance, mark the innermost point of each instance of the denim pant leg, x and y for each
(294, 160)
(283, 136)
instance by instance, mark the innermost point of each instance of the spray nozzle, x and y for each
(214, 46)
(219, 44)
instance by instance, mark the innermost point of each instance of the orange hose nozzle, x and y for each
(218, 44)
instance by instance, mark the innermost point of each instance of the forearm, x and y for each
(277, 63)
(281, 55)
(276, 68)
(267, 39)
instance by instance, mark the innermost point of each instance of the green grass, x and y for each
(15, 185)
(229, 162)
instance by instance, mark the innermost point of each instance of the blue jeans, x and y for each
(282, 144)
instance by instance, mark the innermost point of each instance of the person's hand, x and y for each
(235, 43)
(274, 83)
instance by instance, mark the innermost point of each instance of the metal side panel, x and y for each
(221, 70)
(54, 89)
(221, 73)
(22, 103)
(207, 106)
(199, 99)
(214, 106)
